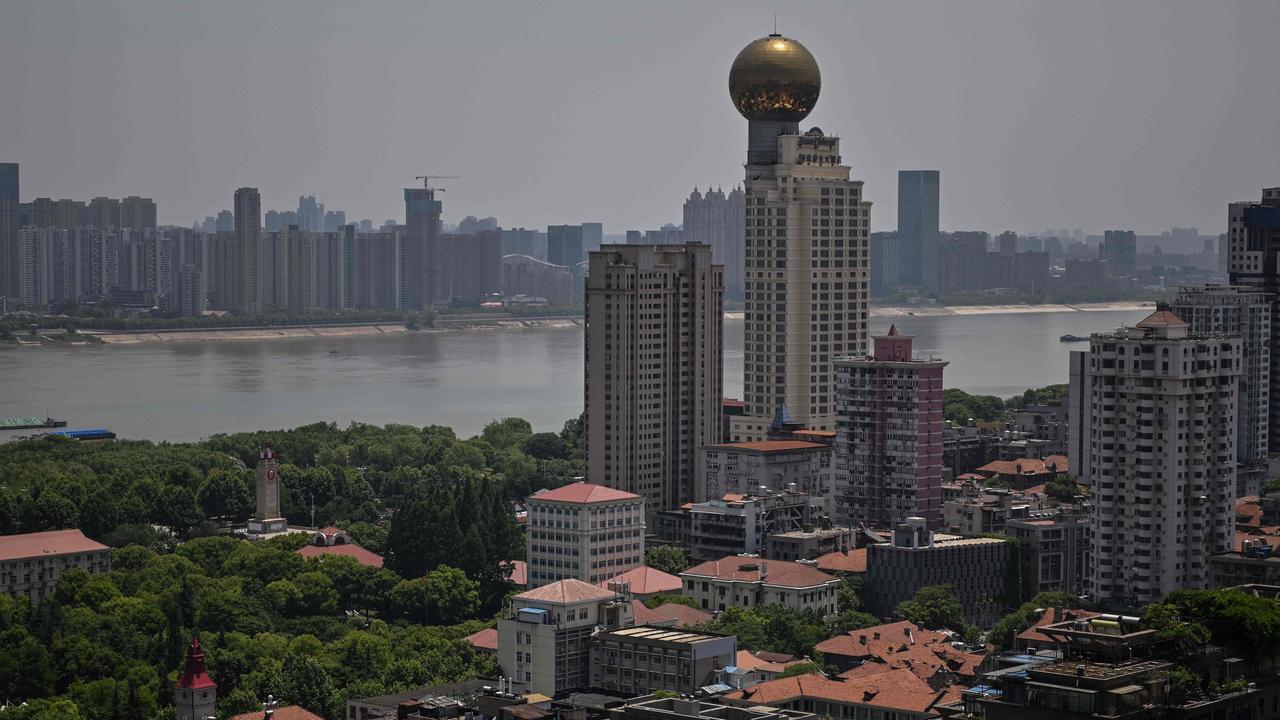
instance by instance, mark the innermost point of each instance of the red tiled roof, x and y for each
(764, 661)
(1161, 318)
(351, 550)
(925, 661)
(732, 402)
(1027, 466)
(290, 712)
(893, 690)
(519, 573)
(41, 544)
(781, 573)
(486, 639)
(330, 531)
(646, 581)
(1050, 616)
(684, 615)
(880, 640)
(815, 433)
(853, 561)
(194, 675)
(768, 446)
(569, 590)
(581, 492)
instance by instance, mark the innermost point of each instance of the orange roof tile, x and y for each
(853, 561)
(519, 573)
(880, 640)
(781, 573)
(486, 639)
(362, 556)
(43, 544)
(1027, 466)
(892, 690)
(566, 591)
(646, 581)
(1161, 318)
(683, 615)
(763, 661)
(582, 492)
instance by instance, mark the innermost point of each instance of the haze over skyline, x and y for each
(1141, 115)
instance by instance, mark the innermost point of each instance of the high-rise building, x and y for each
(885, 275)
(275, 267)
(522, 241)
(1007, 243)
(592, 237)
(420, 250)
(104, 212)
(1253, 249)
(654, 371)
(247, 293)
(470, 266)
(377, 270)
(718, 220)
(529, 276)
(187, 299)
(1120, 249)
(889, 436)
(806, 244)
(962, 262)
(918, 192)
(310, 213)
(138, 213)
(334, 220)
(565, 245)
(565, 538)
(46, 266)
(10, 241)
(1246, 312)
(1156, 418)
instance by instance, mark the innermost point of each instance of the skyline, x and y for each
(1092, 90)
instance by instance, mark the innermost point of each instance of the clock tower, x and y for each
(267, 519)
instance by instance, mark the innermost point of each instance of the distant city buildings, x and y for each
(716, 219)
(889, 419)
(531, 277)
(1120, 251)
(1253, 240)
(918, 192)
(1158, 407)
(246, 298)
(654, 377)
(421, 249)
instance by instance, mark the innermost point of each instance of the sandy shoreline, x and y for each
(356, 330)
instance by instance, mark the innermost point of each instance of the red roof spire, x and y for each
(893, 329)
(194, 676)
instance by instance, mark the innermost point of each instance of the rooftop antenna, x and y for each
(775, 23)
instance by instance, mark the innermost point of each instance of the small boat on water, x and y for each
(333, 352)
(28, 423)
(1073, 338)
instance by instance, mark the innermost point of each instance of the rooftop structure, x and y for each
(749, 581)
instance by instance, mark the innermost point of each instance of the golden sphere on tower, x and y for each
(774, 78)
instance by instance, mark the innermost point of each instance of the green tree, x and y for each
(225, 494)
(667, 558)
(508, 432)
(306, 683)
(934, 607)
(545, 446)
(800, 668)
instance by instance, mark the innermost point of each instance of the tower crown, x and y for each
(776, 79)
(194, 675)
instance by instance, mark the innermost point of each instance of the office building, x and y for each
(420, 253)
(918, 192)
(772, 465)
(640, 660)
(717, 219)
(1246, 312)
(1053, 550)
(1253, 240)
(1119, 250)
(654, 376)
(583, 531)
(10, 241)
(246, 298)
(544, 639)
(889, 436)
(1157, 418)
(975, 568)
(749, 581)
(565, 245)
(806, 243)
(31, 563)
(885, 272)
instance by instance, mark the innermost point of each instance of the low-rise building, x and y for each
(1255, 562)
(643, 582)
(641, 660)
(1022, 473)
(894, 645)
(665, 707)
(762, 666)
(748, 468)
(583, 531)
(888, 695)
(750, 581)
(1053, 553)
(742, 524)
(544, 637)
(977, 510)
(31, 563)
(809, 543)
(975, 568)
(850, 562)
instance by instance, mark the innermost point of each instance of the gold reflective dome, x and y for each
(774, 78)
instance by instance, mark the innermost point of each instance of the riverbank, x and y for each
(971, 310)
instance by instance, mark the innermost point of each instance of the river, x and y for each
(190, 390)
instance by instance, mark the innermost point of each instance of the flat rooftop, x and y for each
(662, 634)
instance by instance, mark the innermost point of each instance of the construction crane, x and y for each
(426, 180)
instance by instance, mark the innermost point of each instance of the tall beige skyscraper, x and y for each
(807, 244)
(247, 298)
(654, 367)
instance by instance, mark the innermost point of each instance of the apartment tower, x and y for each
(654, 375)
(247, 296)
(1157, 419)
(1253, 259)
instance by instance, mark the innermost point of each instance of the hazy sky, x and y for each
(1142, 114)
